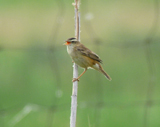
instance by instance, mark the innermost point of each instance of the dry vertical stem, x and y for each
(75, 70)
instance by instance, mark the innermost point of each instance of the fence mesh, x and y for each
(130, 99)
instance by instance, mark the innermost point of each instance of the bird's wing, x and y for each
(86, 52)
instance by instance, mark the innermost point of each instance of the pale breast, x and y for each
(80, 61)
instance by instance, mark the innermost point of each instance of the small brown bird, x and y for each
(84, 57)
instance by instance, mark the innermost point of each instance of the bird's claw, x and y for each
(75, 79)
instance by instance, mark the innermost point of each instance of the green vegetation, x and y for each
(35, 83)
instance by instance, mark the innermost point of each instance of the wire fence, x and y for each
(99, 104)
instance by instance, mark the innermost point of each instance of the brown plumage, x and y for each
(84, 57)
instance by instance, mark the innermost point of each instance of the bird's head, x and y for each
(71, 41)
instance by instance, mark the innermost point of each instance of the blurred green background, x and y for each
(36, 71)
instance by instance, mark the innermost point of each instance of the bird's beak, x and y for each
(67, 43)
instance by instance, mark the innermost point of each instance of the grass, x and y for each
(27, 75)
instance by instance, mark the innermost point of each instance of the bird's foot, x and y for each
(75, 79)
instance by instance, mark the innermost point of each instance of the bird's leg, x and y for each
(77, 79)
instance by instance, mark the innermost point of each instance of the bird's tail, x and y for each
(99, 68)
(106, 75)
(103, 72)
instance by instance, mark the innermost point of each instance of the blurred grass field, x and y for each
(35, 83)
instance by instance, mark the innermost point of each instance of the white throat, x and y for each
(69, 49)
